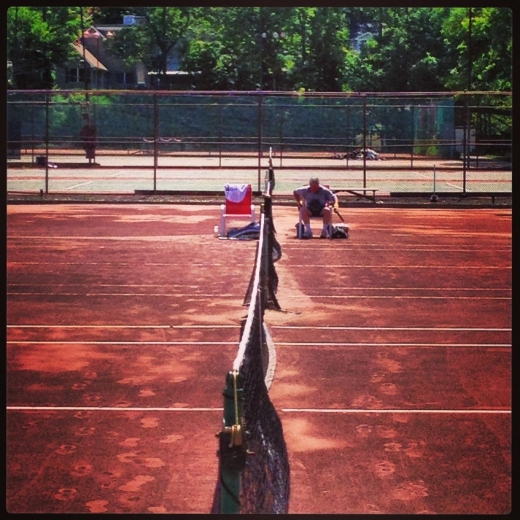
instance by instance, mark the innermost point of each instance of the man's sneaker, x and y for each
(324, 234)
(307, 234)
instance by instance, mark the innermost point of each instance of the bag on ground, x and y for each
(300, 229)
(249, 232)
(340, 231)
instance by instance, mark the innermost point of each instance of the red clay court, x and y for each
(393, 374)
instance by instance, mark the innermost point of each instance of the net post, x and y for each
(434, 197)
(232, 451)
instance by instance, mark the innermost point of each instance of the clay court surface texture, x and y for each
(393, 358)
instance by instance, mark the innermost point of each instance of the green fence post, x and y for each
(364, 141)
(220, 137)
(155, 140)
(413, 136)
(260, 121)
(47, 137)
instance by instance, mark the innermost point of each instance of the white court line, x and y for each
(344, 266)
(419, 174)
(58, 342)
(450, 329)
(393, 297)
(193, 296)
(461, 188)
(348, 288)
(350, 247)
(357, 410)
(380, 344)
(25, 326)
(182, 286)
(278, 343)
(292, 327)
(92, 181)
(112, 409)
(285, 410)
(78, 185)
(336, 287)
(160, 264)
(107, 237)
(404, 266)
(438, 181)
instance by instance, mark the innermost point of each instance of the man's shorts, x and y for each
(315, 208)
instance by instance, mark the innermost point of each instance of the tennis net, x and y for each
(254, 474)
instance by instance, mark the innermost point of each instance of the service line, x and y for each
(358, 410)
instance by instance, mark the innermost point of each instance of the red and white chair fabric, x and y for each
(238, 204)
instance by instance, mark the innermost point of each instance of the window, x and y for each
(76, 75)
(125, 78)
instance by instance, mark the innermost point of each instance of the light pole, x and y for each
(93, 33)
(265, 36)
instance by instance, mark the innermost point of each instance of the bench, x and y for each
(360, 192)
(477, 194)
(456, 194)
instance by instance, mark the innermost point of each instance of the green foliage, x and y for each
(38, 41)
(281, 48)
(153, 41)
(479, 42)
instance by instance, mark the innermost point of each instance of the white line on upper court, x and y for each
(357, 410)
(112, 409)
(79, 185)
(285, 410)
(292, 327)
(193, 296)
(336, 287)
(27, 326)
(440, 329)
(278, 343)
(291, 247)
(328, 266)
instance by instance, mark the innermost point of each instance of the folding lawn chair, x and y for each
(238, 204)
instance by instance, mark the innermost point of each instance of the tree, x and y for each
(239, 48)
(210, 49)
(201, 48)
(328, 42)
(152, 41)
(406, 55)
(109, 15)
(38, 41)
(282, 48)
(479, 44)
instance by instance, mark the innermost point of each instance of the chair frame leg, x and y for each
(300, 226)
(222, 221)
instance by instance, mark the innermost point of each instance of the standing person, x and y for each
(315, 201)
(89, 138)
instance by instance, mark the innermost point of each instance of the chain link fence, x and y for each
(156, 141)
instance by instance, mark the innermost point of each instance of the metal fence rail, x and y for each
(126, 141)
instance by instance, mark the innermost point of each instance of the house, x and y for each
(361, 33)
(96, 68)
(360, 40)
